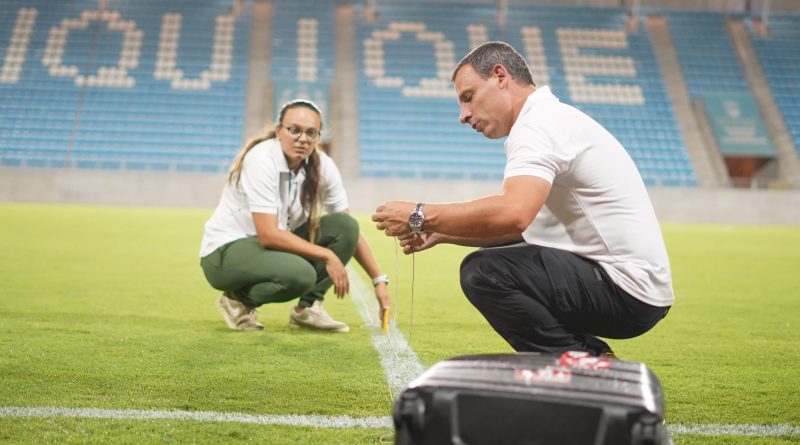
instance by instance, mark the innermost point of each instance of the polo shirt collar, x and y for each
(542, 94)
(285, 165)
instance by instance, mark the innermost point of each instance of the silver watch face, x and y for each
(415, 221)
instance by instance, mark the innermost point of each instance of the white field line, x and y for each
(745, 429)
(400, 364)
(315, 421)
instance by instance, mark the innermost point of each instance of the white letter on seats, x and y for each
(374, 59)
(222, 53)
(115, 76)
(534, 53)
(18, 46)
(477, 35)
(578, 66)
(307, 43)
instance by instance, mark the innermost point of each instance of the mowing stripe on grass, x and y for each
(399, 361)
(318, 421)
(306, 420)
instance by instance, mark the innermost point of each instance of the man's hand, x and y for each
(417, 242)
(392, 217)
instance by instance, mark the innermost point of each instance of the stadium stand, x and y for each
(779, 54)
(138, 85)
(152, 85)
(705, 52)
(408, 111)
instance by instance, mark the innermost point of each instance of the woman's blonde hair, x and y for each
(309, 194)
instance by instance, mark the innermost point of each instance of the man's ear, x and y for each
(501, 74)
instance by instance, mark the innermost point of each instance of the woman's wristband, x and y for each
(380, 279)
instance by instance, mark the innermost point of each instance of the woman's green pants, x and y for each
(249, 273)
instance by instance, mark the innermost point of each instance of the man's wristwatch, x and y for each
(417, 219)
(380, 279)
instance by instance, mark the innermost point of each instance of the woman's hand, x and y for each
(382, 294)
(338, 275)
(417, 242)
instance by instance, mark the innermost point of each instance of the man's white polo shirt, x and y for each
(598, 206)
(267, 185)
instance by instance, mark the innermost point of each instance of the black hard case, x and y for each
(503, 399)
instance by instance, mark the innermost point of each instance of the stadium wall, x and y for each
(756, 6)
(202, 190)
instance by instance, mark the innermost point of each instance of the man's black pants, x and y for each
(550, 300)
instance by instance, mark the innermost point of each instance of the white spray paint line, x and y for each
(400, 364)
(315, 421)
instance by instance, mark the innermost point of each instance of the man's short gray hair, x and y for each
(486, 56)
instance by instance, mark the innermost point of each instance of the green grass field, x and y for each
(106, 307)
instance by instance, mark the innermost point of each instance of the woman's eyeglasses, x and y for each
(296, 132)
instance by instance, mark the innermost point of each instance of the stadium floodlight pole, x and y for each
(370, 16)
(633, 16)
(237, 9)
(502, 11)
